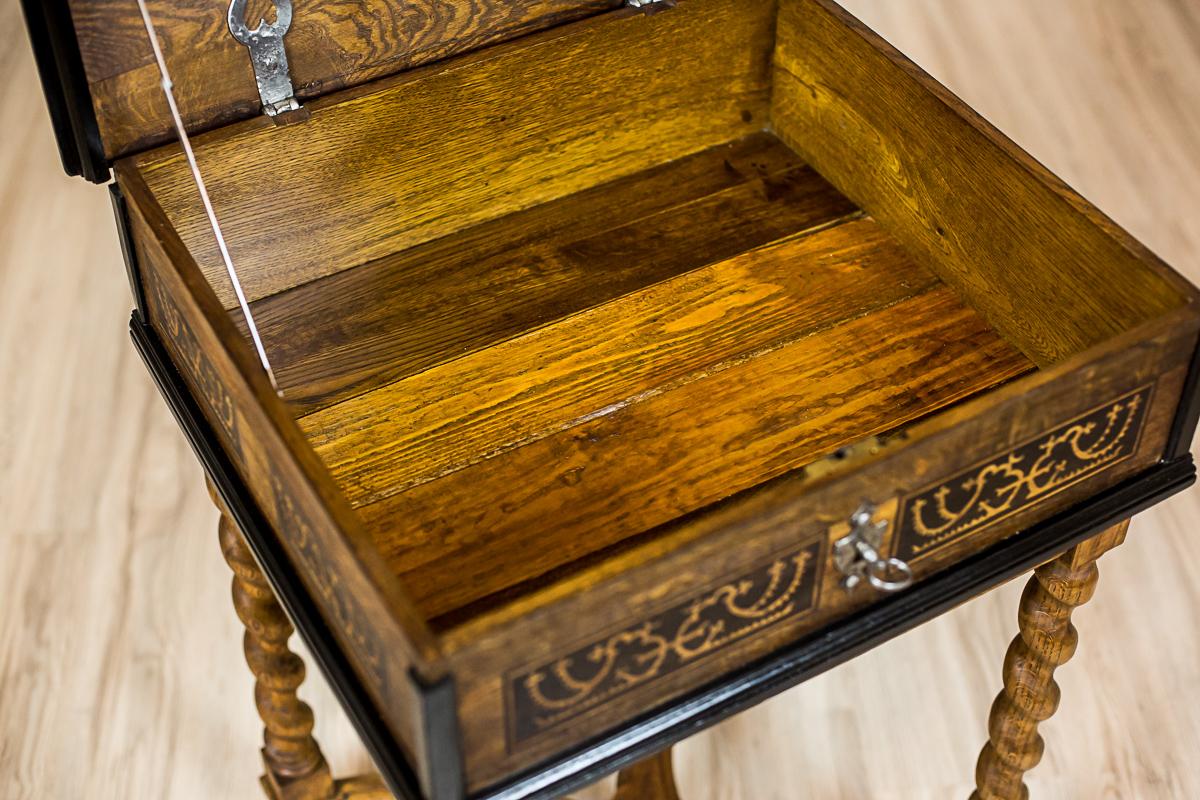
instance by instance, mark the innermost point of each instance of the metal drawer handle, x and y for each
(857, 555)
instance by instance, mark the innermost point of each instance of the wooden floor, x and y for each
(120, 664)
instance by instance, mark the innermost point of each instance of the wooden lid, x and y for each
(103, 86)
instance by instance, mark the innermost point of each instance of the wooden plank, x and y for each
(648, 460)
(643, 344)
(365, 327)
(1036, 260)
(332, 45)
(424, 155)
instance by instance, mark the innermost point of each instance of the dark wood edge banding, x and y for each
(137, 285)
(1183, 428)
(64, 83)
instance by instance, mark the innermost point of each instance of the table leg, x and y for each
(652, 778)
(295, 769)
(1046, 639)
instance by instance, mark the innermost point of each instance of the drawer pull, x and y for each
(857, 555)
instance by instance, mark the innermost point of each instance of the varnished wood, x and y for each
(651, 779)
(348, 580)
(367, 787)
(662, 475)
(678, 560)
(331, 45)
(1046, 641)
(429, 154)
(446, 299)
(295, 767)
(520, 545)
(731, 315)
(96, 565)
(1036, 260)
(652, 458)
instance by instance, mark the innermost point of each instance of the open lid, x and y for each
(103, 88)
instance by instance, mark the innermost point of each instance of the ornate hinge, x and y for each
(650, 6)
(267, 55)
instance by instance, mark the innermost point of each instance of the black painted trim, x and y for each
(443, 751)
(269, 554)
(1183, 427)
(684, 717)
(132, 268)
(64, 82)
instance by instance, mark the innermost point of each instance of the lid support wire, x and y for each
(169, 91)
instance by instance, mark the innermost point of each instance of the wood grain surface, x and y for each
(1046, 641)
(330, 45)
(624, 352)
(987, 218)
(672, 449)
(442, 300)
(118, 653)
(438, 150)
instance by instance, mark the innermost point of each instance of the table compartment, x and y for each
(601, 336)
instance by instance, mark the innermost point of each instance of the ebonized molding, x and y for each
(64, 82)
(1179, 442)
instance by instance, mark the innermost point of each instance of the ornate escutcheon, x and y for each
(857, 555)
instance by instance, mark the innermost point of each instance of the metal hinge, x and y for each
(267, 55)
(650, 6)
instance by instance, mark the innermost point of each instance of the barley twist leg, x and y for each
(1046, 640)
(295, 767)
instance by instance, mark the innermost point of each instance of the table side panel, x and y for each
(723, 588)
(1039, 262)
(347, 595)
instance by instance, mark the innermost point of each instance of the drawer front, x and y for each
(948, 518)
(545, 698)
(735, 583)
(1032, 472)
(787, 586)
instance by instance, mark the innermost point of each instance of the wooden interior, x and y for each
(533, 302)
(331, 45)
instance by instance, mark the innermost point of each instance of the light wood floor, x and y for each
(120, 664)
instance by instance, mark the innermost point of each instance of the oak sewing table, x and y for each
(597, 369)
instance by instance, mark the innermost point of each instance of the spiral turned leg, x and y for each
(650, 779)
(295, 768)
(1046, 639)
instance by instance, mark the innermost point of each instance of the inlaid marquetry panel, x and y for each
(783, 588)
(1039, 468)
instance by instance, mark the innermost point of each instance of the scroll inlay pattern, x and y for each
(541, 698)
(1026, 474)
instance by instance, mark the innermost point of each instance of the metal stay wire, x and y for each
(169, 90)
